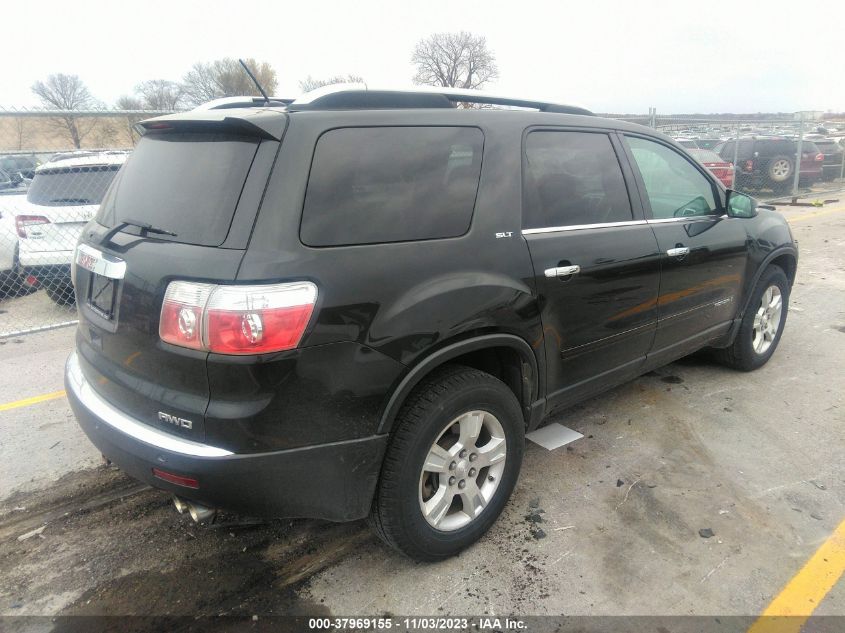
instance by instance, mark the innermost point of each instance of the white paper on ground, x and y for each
(553, 436)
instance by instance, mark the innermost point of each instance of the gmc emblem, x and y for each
(174, 420)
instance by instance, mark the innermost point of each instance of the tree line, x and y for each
(457, 60)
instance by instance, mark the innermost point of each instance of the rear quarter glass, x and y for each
(391, 184)
(187, 183)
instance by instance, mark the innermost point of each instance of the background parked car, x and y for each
(13, 281)
(64, 195)
(686, 142)
(832, 162)
(707, 143)
(19, 164)
(721, 168)
(768, 162)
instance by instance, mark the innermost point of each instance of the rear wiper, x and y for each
(144, 226)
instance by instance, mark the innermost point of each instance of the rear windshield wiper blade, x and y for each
(144, 226)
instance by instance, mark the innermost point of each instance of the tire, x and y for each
(780, 171)
(431, 416)
(752, 348)
(60, 293)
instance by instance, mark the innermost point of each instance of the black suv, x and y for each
(769, 162)
(358, 304)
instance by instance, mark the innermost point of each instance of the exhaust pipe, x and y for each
(200, 514)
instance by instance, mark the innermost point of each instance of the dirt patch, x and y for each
(107, 545)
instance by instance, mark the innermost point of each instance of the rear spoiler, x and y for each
(264, 123)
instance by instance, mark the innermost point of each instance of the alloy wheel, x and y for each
(462, 470)
(780, 169)
(767, 320)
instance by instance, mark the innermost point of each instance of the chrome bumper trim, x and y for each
(119, 421)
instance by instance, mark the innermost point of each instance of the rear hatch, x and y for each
(62, 198)
(832, 152)
(811, 159)
(198, 178)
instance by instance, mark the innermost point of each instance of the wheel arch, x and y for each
(506, 356)
(785, 258)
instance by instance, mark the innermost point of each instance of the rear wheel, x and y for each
(451, 464)
(762, 326)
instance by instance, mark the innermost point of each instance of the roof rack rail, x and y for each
(225, 103)
(355, 96)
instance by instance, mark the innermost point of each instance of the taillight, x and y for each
(23, 221)
(749, 165)
(236, 319)
(819, 156)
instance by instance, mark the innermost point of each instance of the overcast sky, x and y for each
(609, 56)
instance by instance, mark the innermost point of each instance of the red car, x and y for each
(718, 166)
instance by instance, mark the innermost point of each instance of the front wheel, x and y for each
(762, 326)
(451, 464)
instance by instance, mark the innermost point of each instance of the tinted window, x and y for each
(572, 178)
(675, 187)
(828, 147)
(391, 184)
(185, 182)
(772, 147)
(808, 147)
(71, 185)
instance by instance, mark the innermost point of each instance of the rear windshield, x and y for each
(391, 184)
(187, 183)
(705, 156)
(828, 147)
(71, 185)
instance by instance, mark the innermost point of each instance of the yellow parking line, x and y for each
(790, 609)
(814, 214)
(33, 400)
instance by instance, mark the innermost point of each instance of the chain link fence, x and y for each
(774, 159)
(56, 166)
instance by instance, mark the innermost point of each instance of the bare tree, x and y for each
(160, 94)
(454, 60)
(311, 83)
(67, 92)
(130, 103)
(127, 102)
(21, 130)
(225, 78)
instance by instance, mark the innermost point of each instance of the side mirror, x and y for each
(739, 205)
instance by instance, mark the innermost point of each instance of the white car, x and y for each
(63, 196)
(12, 280)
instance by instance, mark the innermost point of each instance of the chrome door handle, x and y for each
(562, 271)
(678, 252)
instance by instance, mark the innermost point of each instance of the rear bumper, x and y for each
(329, 481)
(30, 258)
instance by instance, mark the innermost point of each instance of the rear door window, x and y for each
(572, 178)
(391, 184)
(188, 183)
